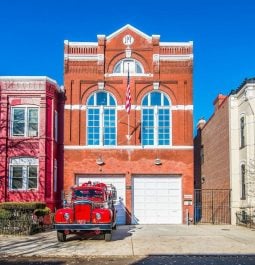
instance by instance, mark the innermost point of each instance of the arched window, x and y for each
(101, 119)
(133, 65)
(156, 119)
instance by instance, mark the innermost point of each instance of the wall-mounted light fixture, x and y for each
(157, 162)
(100, 161)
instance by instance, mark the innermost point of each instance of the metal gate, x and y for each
(212, 206)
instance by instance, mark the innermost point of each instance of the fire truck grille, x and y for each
(82, 212)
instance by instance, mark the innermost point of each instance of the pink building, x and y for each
(30, 142)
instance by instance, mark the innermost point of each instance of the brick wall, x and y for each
(82, 78)
(215, 142)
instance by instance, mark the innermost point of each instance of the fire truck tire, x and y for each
(61, 236)
(108, 236)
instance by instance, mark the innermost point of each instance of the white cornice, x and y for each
(84, 44)
(128, 26)
(28, 78)
(174, 44)
(78, 57)
(182, 57)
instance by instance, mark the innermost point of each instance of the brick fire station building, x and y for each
(147, 153)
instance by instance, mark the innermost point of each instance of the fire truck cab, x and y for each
(91, 209)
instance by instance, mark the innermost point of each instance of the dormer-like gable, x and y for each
(128, 36)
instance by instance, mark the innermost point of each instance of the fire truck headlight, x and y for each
(66, 216)
(98, 216)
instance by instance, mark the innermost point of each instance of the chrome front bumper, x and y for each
(80, 227)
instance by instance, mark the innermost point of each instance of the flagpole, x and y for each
(128, 128)
(129, 107)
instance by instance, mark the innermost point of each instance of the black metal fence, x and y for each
(246, 217)
(212, 206)
(24, 222)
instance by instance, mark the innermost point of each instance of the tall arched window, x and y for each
(101, 119)
(156, 119)
(133, 65)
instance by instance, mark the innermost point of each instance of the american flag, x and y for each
(128, 95)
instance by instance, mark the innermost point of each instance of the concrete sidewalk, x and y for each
(138, 240)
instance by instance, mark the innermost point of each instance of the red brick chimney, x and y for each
(218, 101)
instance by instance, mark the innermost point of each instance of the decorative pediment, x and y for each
(128, 28)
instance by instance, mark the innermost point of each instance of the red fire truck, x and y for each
(91, 209)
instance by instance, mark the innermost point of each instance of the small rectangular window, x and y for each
(242, 132)
(56, 126)
(23, 173)
(24, 122)
(17, 177)
(18, 122)
(243, 187)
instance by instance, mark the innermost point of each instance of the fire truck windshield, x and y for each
(88, 193)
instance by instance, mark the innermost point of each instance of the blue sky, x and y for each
(32, 33)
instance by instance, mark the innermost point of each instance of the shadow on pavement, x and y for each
(119, 234)
(20, 261)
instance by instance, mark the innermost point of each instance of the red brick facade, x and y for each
(215, 165)
(42, 95)
(212, 166)
(168, 68)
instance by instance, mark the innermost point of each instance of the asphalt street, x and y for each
(149, 260)
(139, 244)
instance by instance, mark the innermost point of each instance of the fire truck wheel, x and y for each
(61, 236)
(108, 236)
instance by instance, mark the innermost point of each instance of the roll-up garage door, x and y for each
(157, 199)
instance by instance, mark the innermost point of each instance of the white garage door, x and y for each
(119, 183)
(157, 200)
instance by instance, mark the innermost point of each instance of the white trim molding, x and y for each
(82, 57)
(176, 44)
(133, 107)
(136, 147)
(183, 57)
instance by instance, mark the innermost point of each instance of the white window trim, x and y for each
(101, 118)
(155, 131)
(156, 119)
(23, 162)
(101, 127)
(26, 107)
